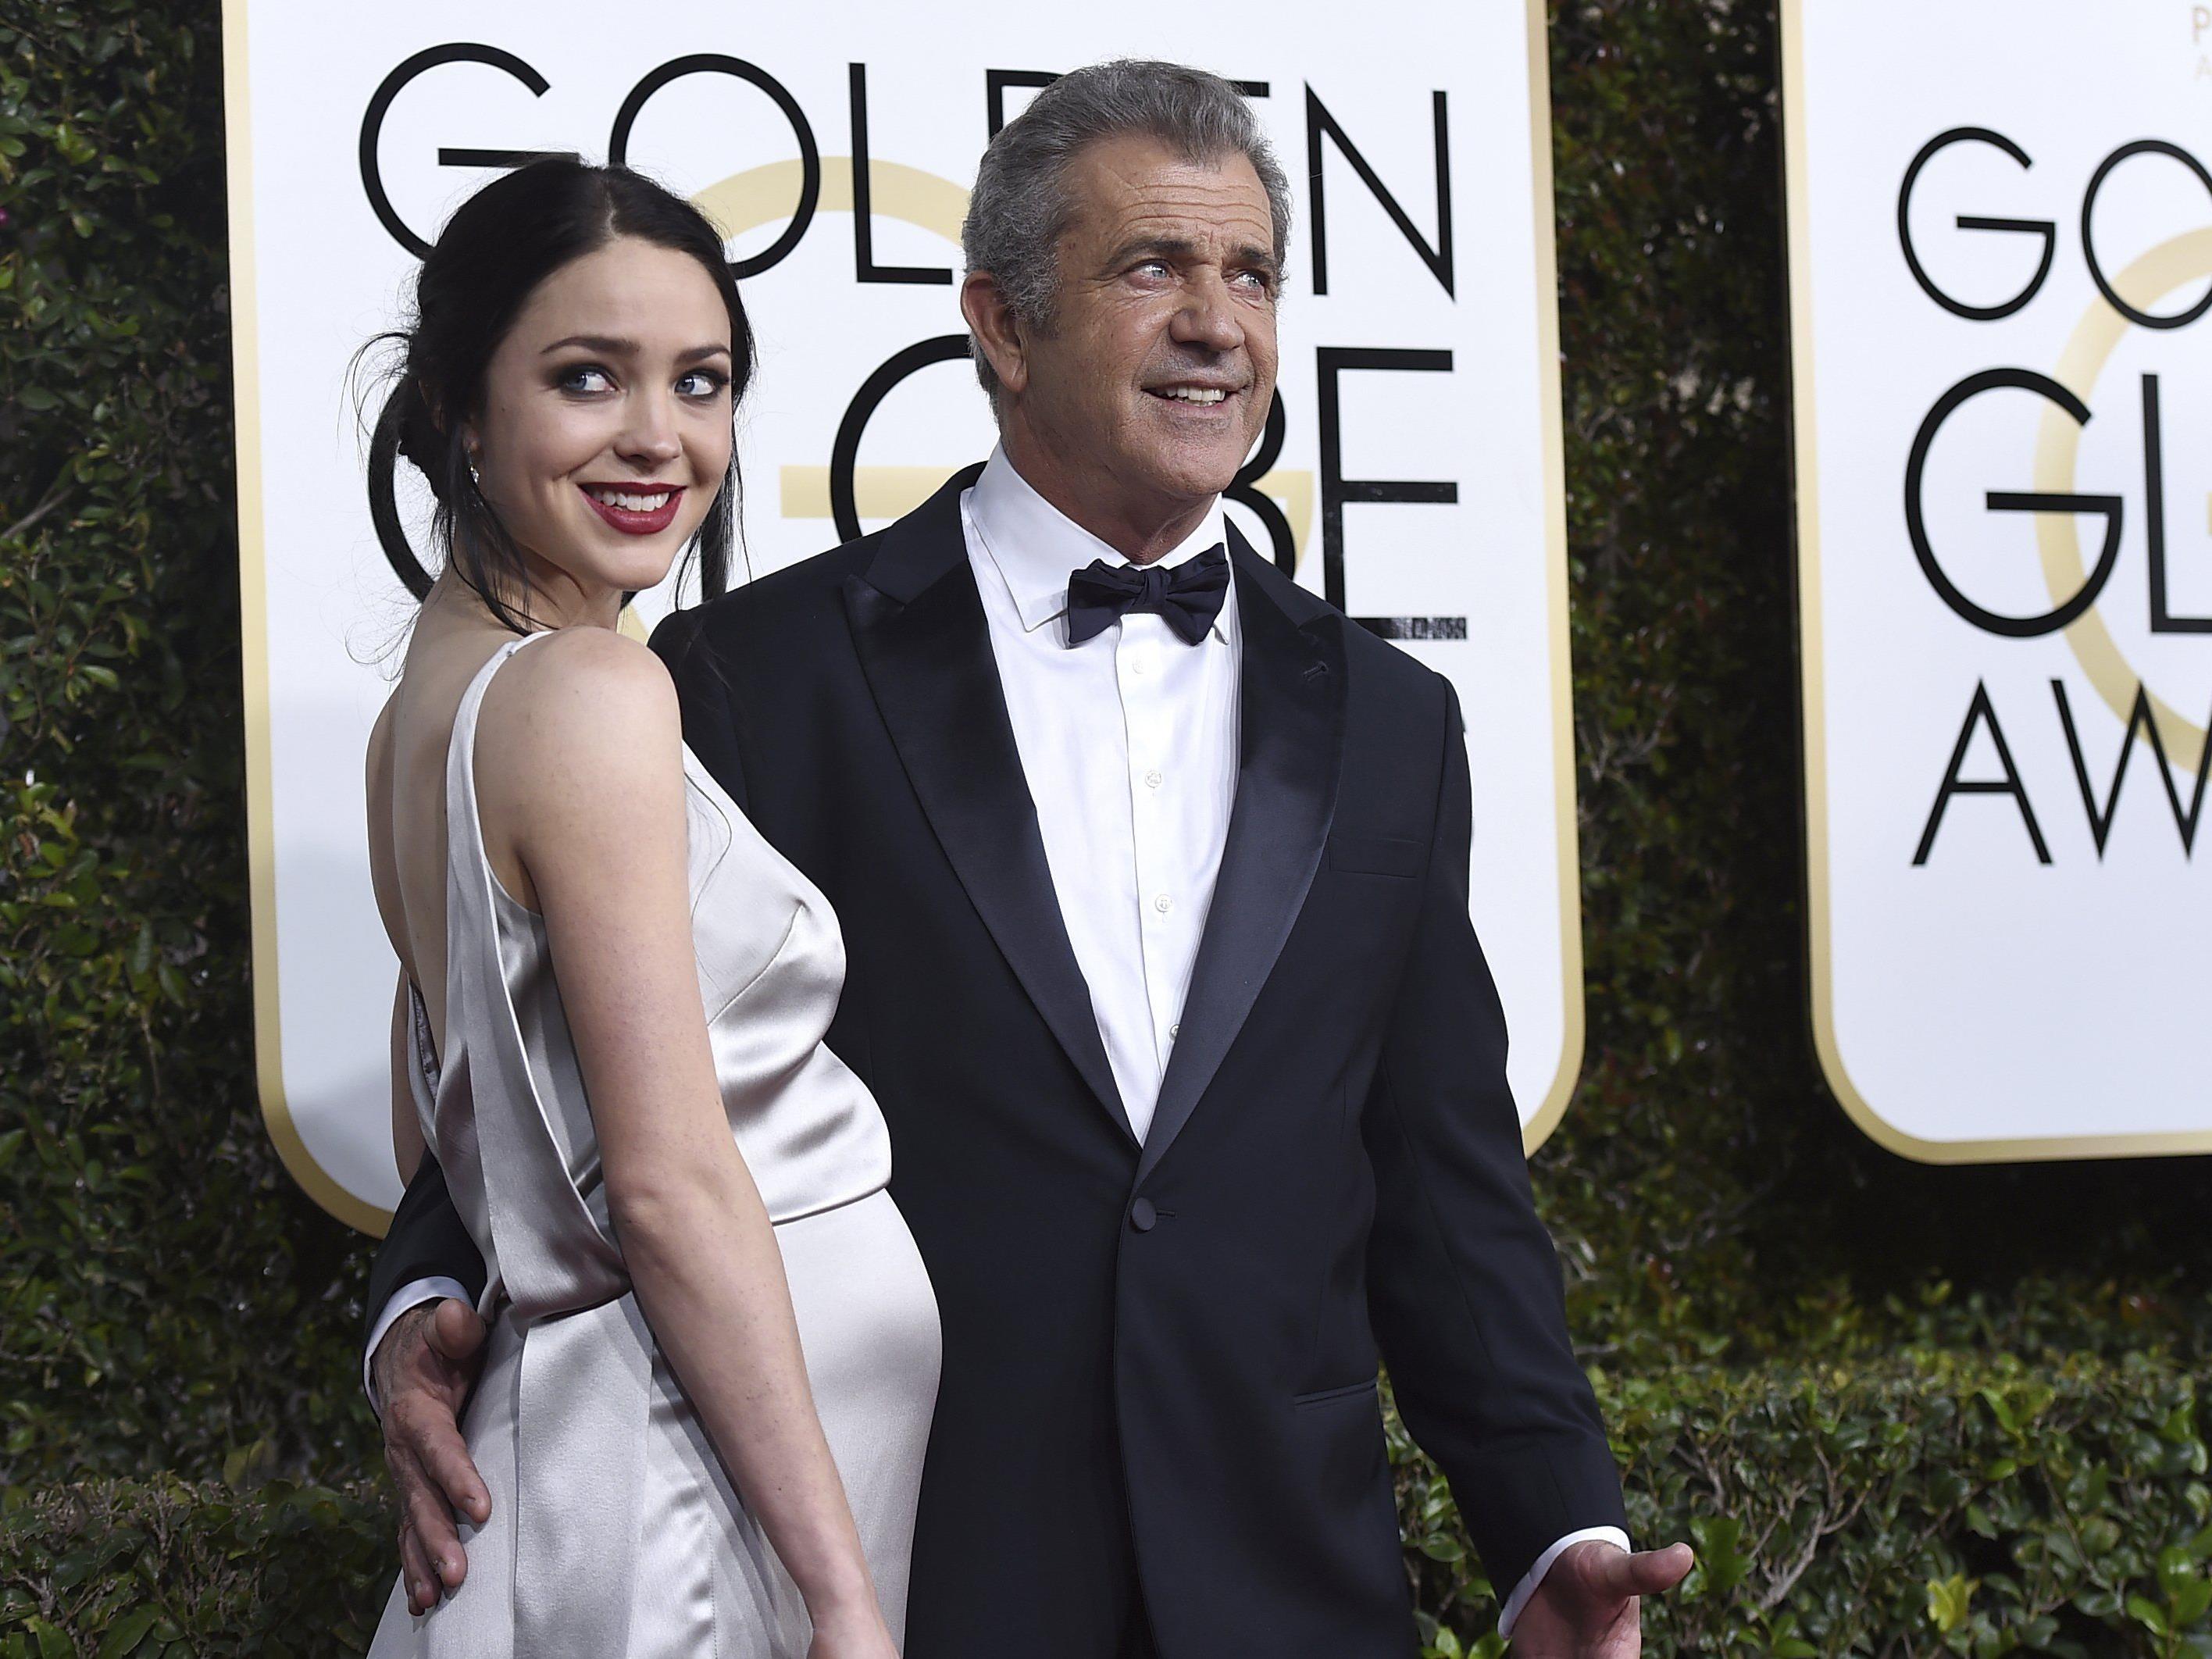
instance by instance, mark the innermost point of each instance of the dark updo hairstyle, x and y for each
(499, 246)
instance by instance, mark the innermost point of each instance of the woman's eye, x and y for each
(586, 378)
(700, 382)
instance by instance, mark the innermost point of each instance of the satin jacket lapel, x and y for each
(1293, 739)
(918, 625)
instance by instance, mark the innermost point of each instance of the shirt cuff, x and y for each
(408, 1296)
(1534, 1576)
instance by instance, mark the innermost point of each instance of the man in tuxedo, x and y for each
(1153, 877)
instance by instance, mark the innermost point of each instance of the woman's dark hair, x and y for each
(499, 246)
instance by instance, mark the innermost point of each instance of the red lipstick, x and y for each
(630, 520)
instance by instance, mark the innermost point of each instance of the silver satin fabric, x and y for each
(614, 1529)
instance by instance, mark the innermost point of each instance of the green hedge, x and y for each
(1935, 1502)
(165, 1567)
(1760, 1287)
(168, 1296)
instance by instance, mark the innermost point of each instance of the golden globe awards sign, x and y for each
(2001, 285)
(1410, 472)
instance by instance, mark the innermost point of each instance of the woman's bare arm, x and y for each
(579, 772)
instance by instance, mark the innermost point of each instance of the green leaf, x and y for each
(127, 1633)
(1950, 1600)
(2177, 1569)
(2190, 1602)
(2148, 1613)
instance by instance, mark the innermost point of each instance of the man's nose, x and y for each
(648, 432)
(1207, 317)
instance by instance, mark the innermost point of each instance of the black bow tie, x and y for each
(1189, 596)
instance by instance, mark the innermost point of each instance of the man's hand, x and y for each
(424, 1367)
(1586, 1606)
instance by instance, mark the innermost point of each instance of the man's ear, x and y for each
(996, 329)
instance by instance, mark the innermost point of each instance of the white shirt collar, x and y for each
(1035, 547)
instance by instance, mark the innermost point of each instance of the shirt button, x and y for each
(1152, 779)
(1175, 1029)
(1164, 904)
(1137, 665)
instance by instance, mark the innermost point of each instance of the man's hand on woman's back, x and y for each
(423, 1371)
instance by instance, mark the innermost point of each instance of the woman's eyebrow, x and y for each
(613, 345)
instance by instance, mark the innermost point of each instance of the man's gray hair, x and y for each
(1020, 205)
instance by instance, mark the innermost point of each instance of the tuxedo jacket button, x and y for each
(1142, 1215)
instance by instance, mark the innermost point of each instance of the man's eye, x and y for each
(1153, 268)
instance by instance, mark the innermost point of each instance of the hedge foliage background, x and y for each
(1900, 1410)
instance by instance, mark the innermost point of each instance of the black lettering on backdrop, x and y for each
(2163, 620)
(2141, 146)
(461, 155)
(1980, 712)
(1336, 490)
(2000, 501)
(1244, 488)
(995, 83)
(1438, 257)
(2041, 227)
(865, 268)
(810, 156)
(380, 104)
(2140, 719)
(844, 454)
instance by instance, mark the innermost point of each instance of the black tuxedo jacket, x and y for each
(1159, 1388)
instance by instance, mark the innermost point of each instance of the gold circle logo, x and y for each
(2185, 259)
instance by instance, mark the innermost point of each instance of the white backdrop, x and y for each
(1436, 337)
(2006, 964)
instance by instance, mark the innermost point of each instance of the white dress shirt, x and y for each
(1129, 743)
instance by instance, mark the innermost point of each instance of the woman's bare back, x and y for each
(408, 747)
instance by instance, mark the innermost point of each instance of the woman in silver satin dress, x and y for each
(714, 1349)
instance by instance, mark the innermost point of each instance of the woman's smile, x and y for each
(635, 509)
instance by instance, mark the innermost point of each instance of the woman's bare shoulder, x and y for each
(586, 704)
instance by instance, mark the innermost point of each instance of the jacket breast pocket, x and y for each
(1376, 855)
(1364, 1389)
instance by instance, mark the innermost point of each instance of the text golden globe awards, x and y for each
(2005, 570)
